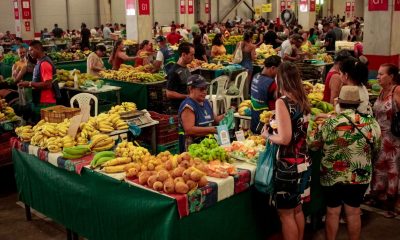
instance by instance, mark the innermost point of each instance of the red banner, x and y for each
(27, 26)
(283, 5)
(397, 5)
(378, 5)
(190, 7)
(348, 5)
(312, 5)
(26, 9)
(289, 4)
(144, 7)
(130, 7)
(207, 7)
(16, 11)
(182, 6)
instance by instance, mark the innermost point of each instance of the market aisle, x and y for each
(13, 225)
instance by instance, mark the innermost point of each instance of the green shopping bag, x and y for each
(229, 120)
(263, 180)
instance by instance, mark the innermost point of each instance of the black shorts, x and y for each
(286, 200)
(349, 194)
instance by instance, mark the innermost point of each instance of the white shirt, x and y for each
(106, 33)
(184, 33)
(93, 32)
(160, 57)
(286, 47)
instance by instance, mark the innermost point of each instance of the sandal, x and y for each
(389, 214)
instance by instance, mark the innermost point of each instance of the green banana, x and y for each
(103, 160)
(77, 150)
(72, 156)
(100, 155)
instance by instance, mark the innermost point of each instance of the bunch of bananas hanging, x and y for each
(101, 142)
(127, 149)
(25, 133)
(265, 116)
(123, 108)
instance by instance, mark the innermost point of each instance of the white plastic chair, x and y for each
(217, 91)
(240, 80)
(83, 100)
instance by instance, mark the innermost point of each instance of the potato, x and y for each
(177, 172)
(143, 177)
(132, 172)
(150, 167)
(169, 186)
(179, 159)
(162, 175)
(191, 184)
(195, 176)
(203, 181)
(158, 186)
(179, 179)
(143, 168)
(151, 180)
(186, 174)
(164, 158)
(159, 167)
(181, 187)
(185, 156)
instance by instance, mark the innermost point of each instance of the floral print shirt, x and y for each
(346, 154)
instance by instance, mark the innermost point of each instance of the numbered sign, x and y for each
(144, 7)
(378, 5)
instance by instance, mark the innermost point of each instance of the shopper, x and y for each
(348, 140)
(173, 37)
(196, 117)
(263, 91)
(20, 67)
(44, 92)
(333, 81)
(118, 55)
(385, 182)
(260, 36)
(217, 48)
(290, 48)
(355, 73)
(290, 110)
(85, 35)
(57, 32)
(338, 31)
(313, 37)
(178, 76)
(165, 56)
(271, 38)
(94, 62)
(144, 55)
(330, 38)
(199, 49)
(107, 32)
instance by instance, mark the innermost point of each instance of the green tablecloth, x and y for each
(98, 207)
(131, 92)
(230, 49)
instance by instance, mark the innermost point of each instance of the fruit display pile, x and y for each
(223, 58)
(84, 80)
(245, 108)
(6, 112)
(324, 57)
(264, 51)
(10, 59)
(196, 63)
(233, 40)
(315, 96)
(266, 116)
(129, 42)
(208, 150)
(247, 150)
(68, 56)
(211, 66)
(133, 74)
(123, 108)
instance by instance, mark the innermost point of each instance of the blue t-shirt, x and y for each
(260, 95)
(204, 115)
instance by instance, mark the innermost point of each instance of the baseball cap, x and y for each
(160, 39)
(197, 81)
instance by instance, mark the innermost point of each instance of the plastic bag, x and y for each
(21, 96)
(232, 90)
(229, 120)
(238, 57)
(263, 180)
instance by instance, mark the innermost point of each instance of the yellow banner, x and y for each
(257, 10)
(266, 8)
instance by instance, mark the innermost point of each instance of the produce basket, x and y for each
(58, 113)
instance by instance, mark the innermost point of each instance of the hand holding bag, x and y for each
(238, 54)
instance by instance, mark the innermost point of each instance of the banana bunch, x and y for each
(101, 158)
(127, 149)
(212, 66)
(101, 142)
(265, 116)
(315, 97)
(245, 108)
(129, 42)
(308, 87)
(124, 107)
(25, 133)
(76, 152)
(104, 124)
(54, 144)
(2, 117)
(117, 122)
(224, 58)
(324, 106)
(68, 141)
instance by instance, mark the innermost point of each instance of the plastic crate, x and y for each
(167, 123)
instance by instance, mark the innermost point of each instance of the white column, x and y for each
(306, 18)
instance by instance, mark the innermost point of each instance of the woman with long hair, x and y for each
(218, 47)
(249, 55)
(290, 110)
(118, 55)
(144, 55)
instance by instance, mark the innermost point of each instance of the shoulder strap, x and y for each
(354, 125)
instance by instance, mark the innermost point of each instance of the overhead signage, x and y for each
(378, 5)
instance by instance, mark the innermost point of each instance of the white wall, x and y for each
(48, 12)
(82, 11)
(165, 11)
(7, 22)
(118, 11)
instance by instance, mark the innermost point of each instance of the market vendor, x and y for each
(94, 62)
(178, 76)
(196, 117)
(263, 91)
(145, 54)
(165, 56)
(290, 48)
(44, 93)
(118, 56)
(20, 67)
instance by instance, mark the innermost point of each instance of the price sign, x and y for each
(266, 8)
(378, 5)
(144, 7)
(240, 136)
(303, 6)
(27, 26)
(283, 5)
(257, 10)
(26, 9)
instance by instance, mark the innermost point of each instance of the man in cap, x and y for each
(165, 56)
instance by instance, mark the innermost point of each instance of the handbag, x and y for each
(263, 180)
(374, 154)
(395, 125)
(238, 54)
